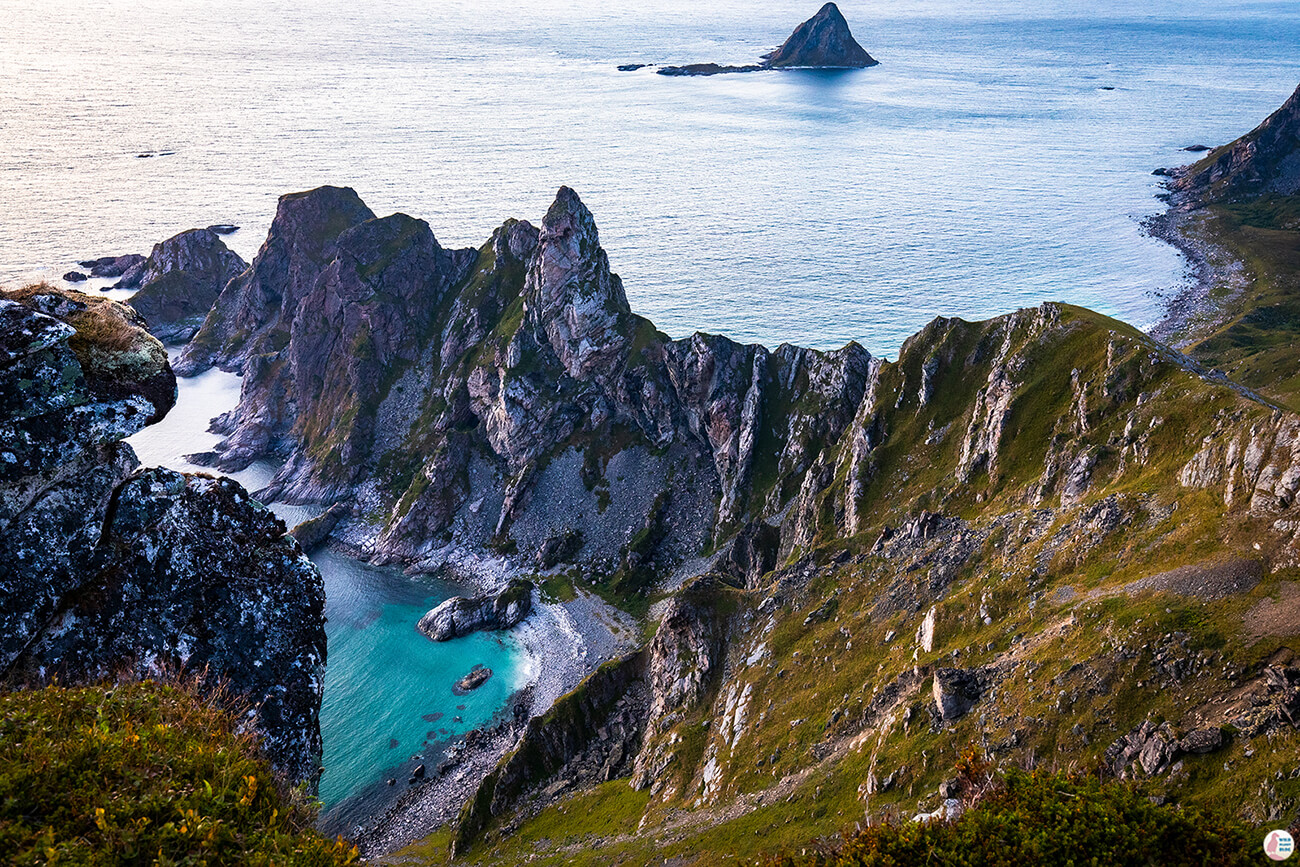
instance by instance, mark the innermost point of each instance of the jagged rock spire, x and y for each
(572, 301)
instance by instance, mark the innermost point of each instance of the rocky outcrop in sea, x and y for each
(180, 281)
(459, 616)
(110, 570)
(822, 42)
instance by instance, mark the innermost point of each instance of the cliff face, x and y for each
(108, 569)
(1036, 534)
(509, 398)
(1265, 160)
(180, 281)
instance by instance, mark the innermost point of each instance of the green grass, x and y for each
(1047, 819)
(143, 773)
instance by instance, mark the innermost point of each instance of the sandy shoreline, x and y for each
(564, 643)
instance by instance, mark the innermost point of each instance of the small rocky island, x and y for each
(822, 42)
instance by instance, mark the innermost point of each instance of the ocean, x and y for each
(983, 166)
(999, 156)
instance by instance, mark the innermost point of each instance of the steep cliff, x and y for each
(1037, 533)
(1265, 160)
(107, 569)
(509, 399)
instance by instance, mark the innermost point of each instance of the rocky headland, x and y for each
(822, 42)
(110, 570)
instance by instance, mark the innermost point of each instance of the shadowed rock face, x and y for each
(823, 41)
(1265, 160)
(253, 314)
(108, 569)
(180, 281)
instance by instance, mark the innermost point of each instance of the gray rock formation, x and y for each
(108, 569)
(252, 316)
(180, 281)
(460, 616)
(112, 266)
(956, 691)
(509, 398)
(822, 41)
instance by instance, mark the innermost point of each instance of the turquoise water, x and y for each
(983, 166)
(388, 696)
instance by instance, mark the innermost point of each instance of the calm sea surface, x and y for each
(981, 167)
(999, 156)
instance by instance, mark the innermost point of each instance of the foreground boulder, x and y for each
(460, 616)
(107, 569)
(180, 281)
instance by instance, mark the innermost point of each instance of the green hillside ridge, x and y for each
(1097, 533)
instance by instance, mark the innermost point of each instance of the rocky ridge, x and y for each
(107, 569)
(510, 400)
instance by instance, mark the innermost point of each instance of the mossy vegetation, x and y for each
(143, 773)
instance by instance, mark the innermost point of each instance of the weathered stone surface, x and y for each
(460, 616)
(106, 569)
(956, 691)
(180, 281)
(477, 676)
(1206, 740)
(822, 41)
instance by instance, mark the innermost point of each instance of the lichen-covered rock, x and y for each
(180, 281)
(106, 569)
(460, 616)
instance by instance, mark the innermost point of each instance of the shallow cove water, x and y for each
(388, 701)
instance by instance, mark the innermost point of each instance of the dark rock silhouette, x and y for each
(823, 40)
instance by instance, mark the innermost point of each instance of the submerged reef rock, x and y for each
(180, 281)
(460, 616)
(822, 42)
(107, 569)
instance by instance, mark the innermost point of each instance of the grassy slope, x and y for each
(1256, 346)
(1055, 595)
(142, 773)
